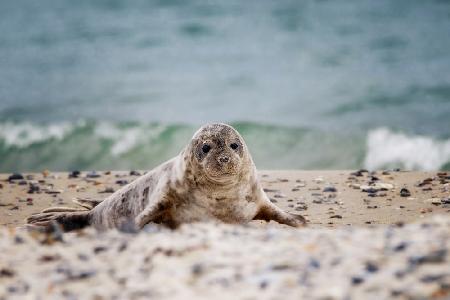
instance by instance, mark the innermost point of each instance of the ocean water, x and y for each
(310, 84)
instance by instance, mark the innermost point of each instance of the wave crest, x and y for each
(386, 148)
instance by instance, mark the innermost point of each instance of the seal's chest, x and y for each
(203, 208)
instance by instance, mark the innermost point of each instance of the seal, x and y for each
(213, 178)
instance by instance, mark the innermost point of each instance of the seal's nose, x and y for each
(224, 159)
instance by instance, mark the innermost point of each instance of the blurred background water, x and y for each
(109, 84)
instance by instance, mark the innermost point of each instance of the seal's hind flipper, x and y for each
(87, 202)
(68, 220)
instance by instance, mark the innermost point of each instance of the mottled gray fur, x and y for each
(213, 178)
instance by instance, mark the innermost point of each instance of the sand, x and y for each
(299, 192)
(370, 236)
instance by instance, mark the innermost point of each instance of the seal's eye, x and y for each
(234, 146)
(206, 148)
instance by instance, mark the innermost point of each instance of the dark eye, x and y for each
(234, 146)
(206, 148)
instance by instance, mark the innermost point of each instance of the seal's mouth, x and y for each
(223, 178)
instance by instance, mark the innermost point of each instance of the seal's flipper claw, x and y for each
(87, 202)
(62, 209)
(271, 212)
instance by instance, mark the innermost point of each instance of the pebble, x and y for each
(107, 190)
(356, 280)
(404, 192)
(121, 182)
(4, 272)
(92, 174)
(15, 176)
(330, 189)
(336, 217)
(445, 200)
(319, 180)
(33, 188)
(279, 196)
(270, 190)
(301, 207)
(359, 173)
(134, 173)
(74, 174)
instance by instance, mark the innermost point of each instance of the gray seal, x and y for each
(213, 178)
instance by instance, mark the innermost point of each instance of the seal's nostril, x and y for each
(224, 159)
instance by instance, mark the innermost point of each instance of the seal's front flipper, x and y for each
(156, 211)
(87, 202)
(269, 212)
(68, 220)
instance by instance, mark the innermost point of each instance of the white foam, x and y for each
(22, 135)
(125, 139)
(385, 148)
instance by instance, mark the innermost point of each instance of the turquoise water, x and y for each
(310, 84)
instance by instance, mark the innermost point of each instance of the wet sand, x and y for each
(370, 236)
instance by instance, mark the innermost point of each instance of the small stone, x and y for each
(400, 247)
(437, 256)
(92, 174)
(135, 173)
(107, 190)
(273, 200)
(405, 192)
(33, 188)
(301, 207)
(356, 280)
(122, 182)
(329, 189)
(270, 190)
(336, 217)
(53, 192)
(434, 201)
(279, 196)
(445, 200)
(74, 174)
(318, 180)
(15, 176)
(359, 173)
(6, 273)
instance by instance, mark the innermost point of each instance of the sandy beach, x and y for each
(325, 198)
(370, 236)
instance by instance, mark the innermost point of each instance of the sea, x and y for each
(311, 84)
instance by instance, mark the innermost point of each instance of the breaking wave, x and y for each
(386, 148)
(105, 145)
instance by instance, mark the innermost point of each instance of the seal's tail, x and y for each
(68, 220)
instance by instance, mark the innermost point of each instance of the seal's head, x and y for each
(219, 153)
